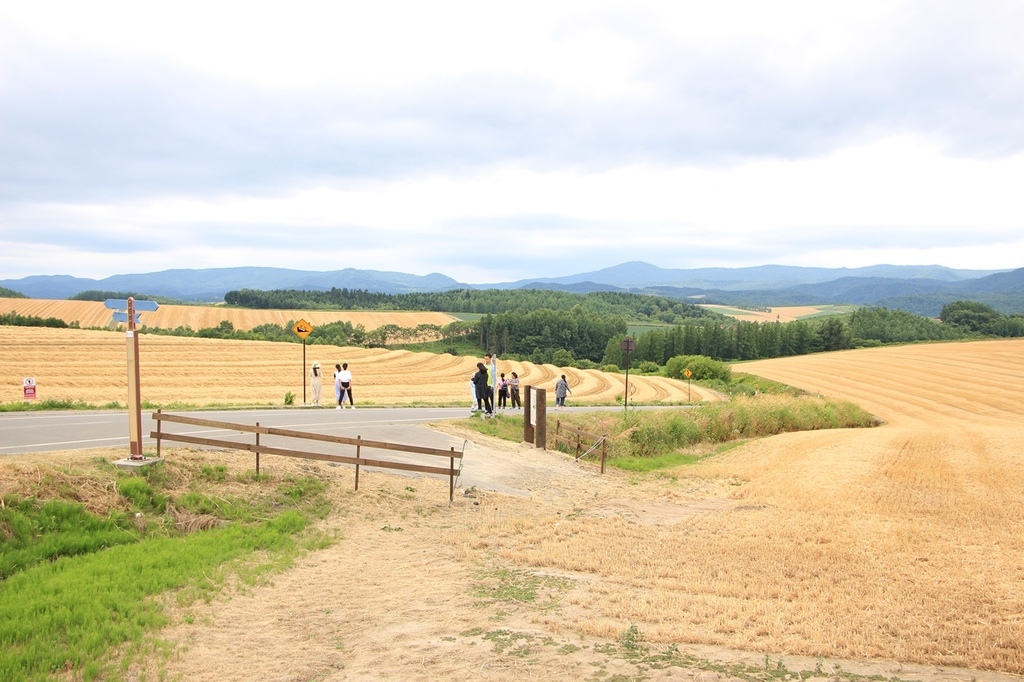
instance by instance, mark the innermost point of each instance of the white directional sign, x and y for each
(140, 306)
(122, 316)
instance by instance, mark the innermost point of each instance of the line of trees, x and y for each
(861, 328)
(982, 319)
(637, 307)
(537, 335)
(15, 320)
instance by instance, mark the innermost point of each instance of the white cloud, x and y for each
(407, 136)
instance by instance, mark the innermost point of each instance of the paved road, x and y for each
(22, 432)
(26, 432)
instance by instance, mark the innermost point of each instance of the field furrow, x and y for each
(91, 365)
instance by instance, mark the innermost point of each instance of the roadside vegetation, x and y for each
(648, 440)
(80, 585)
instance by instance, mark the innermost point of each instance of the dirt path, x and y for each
(404, 593)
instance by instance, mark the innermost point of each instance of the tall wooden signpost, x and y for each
(128, 313)
(303, 329)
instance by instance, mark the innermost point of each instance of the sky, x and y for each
(493, 142)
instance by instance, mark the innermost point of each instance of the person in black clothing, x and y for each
(502, 392)
(483, 390)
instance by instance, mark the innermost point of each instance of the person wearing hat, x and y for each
(316, 383)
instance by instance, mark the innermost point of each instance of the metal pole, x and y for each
(303, 371)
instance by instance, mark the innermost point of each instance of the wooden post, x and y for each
(527, 417)
(358, 446)
(134, 389)
(159, 423)
(541, 438)
(451, 475)
(257, 451)
(604, 451)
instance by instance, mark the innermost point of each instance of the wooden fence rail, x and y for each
(576, 438)
(451, 471)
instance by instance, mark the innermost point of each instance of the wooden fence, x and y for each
(575, 441)
(451, 471)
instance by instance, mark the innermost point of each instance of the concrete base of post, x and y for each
(129, 464)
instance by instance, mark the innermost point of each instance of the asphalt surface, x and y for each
(23, 432)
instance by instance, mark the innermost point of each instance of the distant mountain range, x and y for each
(920, 289)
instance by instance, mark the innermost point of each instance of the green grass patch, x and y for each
(48, 404)
(34, 532)
(79, 590)
(520, 586)
(647, 440)
(70, 614)
(506, 427)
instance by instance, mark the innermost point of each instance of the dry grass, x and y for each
(776, 314)
(91, 365)
(94, 314)
(902, 542)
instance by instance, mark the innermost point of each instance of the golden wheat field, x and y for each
(776, 314)
(91, 365)
(903, 542)
(94, 314)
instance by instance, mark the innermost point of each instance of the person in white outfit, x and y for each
(345, 379)
(316, 383)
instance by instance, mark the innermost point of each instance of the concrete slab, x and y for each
(129, 464)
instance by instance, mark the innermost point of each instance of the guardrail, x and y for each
(575, 441)
(359, 443)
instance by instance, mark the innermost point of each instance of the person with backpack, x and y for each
(502, 392)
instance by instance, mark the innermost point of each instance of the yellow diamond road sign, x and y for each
(302, 328)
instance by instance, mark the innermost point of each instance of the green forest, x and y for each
(586, 330)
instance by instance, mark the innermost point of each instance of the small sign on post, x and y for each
(29, 387)
(303, 329)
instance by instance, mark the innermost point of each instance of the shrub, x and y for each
(648, 367)
(701, 367)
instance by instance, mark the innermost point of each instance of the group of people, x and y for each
(487, 384)
(342, 385)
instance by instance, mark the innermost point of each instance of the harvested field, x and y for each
(94, 314)
(776, 314)
(91, 365)
(893, 552)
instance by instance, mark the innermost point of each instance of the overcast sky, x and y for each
(493, 142)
